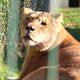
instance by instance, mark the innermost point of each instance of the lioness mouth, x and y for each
(27, 38)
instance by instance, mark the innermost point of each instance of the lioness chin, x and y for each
(41, 33)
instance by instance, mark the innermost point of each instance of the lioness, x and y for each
(41, 33)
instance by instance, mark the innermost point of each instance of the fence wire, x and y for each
(4, 19)
(3, 26)
(34, 4)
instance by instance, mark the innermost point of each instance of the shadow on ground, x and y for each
(74, 32)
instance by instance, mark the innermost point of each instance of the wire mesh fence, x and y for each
(42, 5)
(3, 37)
(3, 28)
(4, 19)
(4, 16)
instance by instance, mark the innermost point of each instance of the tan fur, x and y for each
(40, 33)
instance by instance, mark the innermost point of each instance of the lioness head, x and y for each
(39, 28)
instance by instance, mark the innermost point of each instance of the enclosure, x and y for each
(11, 57)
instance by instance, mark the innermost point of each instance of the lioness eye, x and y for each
(43, 23)
(27, 19)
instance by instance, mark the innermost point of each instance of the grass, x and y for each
(71, 17)
(5, 70)
(2, 68)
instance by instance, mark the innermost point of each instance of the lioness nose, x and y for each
(30, 28)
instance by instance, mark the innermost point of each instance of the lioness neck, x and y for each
(63, 37)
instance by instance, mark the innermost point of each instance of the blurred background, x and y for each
(10, 10)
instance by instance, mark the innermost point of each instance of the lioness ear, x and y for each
(27, 10)
(24, 13)
(58, 18)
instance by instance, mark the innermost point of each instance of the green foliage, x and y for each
(2, 68)
(71, 17)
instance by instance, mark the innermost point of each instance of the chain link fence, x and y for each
(3, 21)
(41, 5)
(35, 5)
(3, 25)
